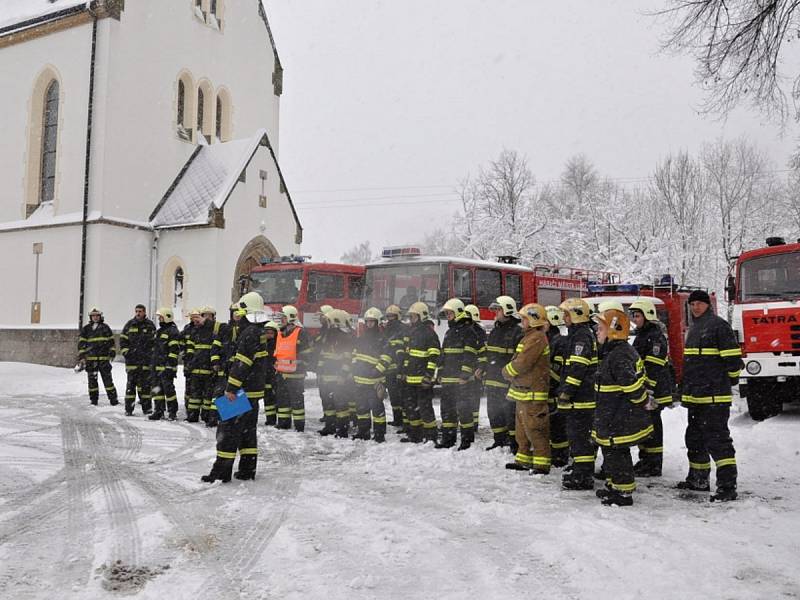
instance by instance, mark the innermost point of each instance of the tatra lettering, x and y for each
(774, 319)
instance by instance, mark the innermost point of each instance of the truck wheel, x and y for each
(763, 400)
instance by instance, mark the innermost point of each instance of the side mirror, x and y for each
(730, 288)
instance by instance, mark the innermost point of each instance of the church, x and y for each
(139, 164)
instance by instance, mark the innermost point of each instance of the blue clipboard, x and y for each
(228, 410)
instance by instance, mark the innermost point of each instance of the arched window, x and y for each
(181, 103)
(220, 109)
(223, 114)
(49, 139)
(177, 288)
(200, 109)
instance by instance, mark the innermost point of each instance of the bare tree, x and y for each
(738, 46)
(360, 254)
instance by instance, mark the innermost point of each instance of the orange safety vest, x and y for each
(286, 352)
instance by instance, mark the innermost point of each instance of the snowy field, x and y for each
(94, 504)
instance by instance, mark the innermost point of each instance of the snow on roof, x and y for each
(17, 12)
(206, 181)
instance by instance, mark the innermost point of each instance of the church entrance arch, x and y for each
(252, 254)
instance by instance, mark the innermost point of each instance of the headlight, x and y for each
(753, 367)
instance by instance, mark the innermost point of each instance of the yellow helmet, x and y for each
(507, 303)
(535, 314)
(272, 325)
(646, 307)
(455, 306)
(290, 312)
(373, 313)
(610, 305)
(166, 314)
(95, 311)
(577, 308)
(555, 315)
(393, 309)
(617, 321)
(325, 309)
(252, 303)
(208, 309)
(339, 319)
(195, 312)
(473, 311)
(420, 309)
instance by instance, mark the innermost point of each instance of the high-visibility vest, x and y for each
(286, 352)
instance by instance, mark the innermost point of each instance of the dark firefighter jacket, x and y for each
(222, 347)
(369, 359)
(197, 359)
(96, 342)
(422, 354)
(333, 351)
(396, 333)
(459, 355)
(576, 390)
(136, 341)
(651, 345)
(529, 369)
(558, 347)
(500, 347)
(480, 334)
(712, 361)
(248, 370)
(166, 349)
(620, 418)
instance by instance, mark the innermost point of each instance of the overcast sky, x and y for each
(387, 104)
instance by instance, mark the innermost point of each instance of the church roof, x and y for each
(20, 14)
(207, 180)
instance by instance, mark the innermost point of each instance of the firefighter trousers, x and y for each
(238, 434)
(421, 416)
(138, 381)
(618, 468)
(651, 451)
(201, 387)
(104, 368)
(270, 408)
(163, 389)
(475, 391)
(326, 394)
(395, 388)
(579, 434)
(497, 408)
(290, 402)
(559, 444)
(370, 411)
(533, 436)
(707, 437)
(456, 410)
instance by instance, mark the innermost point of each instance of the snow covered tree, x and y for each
(360, 254)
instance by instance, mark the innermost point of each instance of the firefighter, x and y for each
(136, 345)
(248, 373)
(651, 344)
(529, 374)
(270, 410)
(712, 361)
(396, 333)
(164, 366)
(339, 348)
(621, 419)
(576, 393)
(220, 335)
(292, 352)
(185, 334)
(500, 346)
(328, 375)
(369, 363)
(475, 386)
(457, 363)
(197, 362)
(559, 444)
(96, 350)
(419, 369)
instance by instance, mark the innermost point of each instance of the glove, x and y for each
(380, 391)
(80, 366)
(427, 381)
(479, 374)
(651, 403)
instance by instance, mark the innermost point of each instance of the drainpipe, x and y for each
(154, 273)
(87, 171)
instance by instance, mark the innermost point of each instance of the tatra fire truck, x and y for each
(764, 290)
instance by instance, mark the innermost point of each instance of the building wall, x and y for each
(66, 53)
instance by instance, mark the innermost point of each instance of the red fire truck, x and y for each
(307, 286)
(405, 276)
(672, 306)
(765, 293)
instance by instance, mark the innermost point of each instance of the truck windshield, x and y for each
(770, 277)
(277, 287)
(405, 284)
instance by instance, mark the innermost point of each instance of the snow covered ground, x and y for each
(83, 487)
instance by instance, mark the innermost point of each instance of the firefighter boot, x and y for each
(156, 416)
(560, 457)
(577, 481)
(343, 427)
(448, 439)
(467, 437)
(192, 416)
(330, 426)
(213, 419)
(500, 440)
(218, 474)
(615, 498)
(245, 475)
(696, 481)
(513, 447)
(515, 466)
(379, 437)
(648, 467)
(724, 494)
(414, 435)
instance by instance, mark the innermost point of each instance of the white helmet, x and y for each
(555, 315)
(474, 312)
(339, 319)
(646, 307)
(290, 312)
(455, 306)
(506, 303)
(373, 313)
(252, 303)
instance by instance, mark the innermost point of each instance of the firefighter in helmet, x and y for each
(475, 385)
(270, 410)
(336, 371)
(95, 353)
(396, 333)
(559, 444)
(620, 419)
(164, 366)
(292, 354)
(576, 393)
(219, 336)
(369, 363)
(457, 363)
(651, 344)
(136, 345)
(529, 374)
(419, 368)
(500, 346)
(197, 362)
(248, 371)
(325, 361)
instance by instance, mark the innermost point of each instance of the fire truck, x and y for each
(404, 276)
(307, 286)
(672, 307)
(764, 290)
